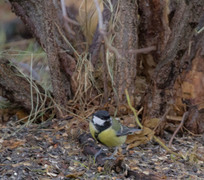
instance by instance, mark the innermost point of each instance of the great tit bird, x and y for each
(108, 131)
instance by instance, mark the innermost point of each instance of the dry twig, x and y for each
(179, 127)
(64, 13)
(143, 50)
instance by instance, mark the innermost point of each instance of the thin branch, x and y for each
(98, 39)
(143, 50)
(163, 118)
(67, 19)
(71, 21)
(102, 30)
(111, 48)
(64, 13)
(179, 127)
(100, 17)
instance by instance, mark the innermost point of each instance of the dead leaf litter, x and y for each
(46, 151)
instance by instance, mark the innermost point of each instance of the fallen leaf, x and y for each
(100, 169)
(75, 175)
(151, 123)
(143, 137)
(12, 144)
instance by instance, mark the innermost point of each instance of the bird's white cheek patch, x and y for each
(98, 121)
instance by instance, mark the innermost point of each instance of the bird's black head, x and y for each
(101, 119)
(102, 114)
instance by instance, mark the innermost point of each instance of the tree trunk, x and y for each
(192, 84)
(44, 19)
(18, 89)
(167, 25)
(173, 53)
(126, 39)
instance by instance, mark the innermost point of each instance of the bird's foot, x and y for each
(112, 157)
(109, 158)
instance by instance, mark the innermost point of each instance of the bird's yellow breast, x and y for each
(108, 137)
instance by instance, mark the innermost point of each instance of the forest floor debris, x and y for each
(45, 151)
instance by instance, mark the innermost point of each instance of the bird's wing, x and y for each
(127, 131)
(116, 125)
(122, 130)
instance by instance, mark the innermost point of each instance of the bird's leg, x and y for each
(115, 151)
(97, 154)
(112, 156)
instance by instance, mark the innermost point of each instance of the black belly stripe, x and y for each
(96, 136)
(101, 128)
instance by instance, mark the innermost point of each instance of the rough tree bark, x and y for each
(44, 19)
(126, 39)
(190, 92)
(168, 25)
(173, 50)
(18, 89)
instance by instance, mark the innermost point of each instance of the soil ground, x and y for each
(45, 151)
